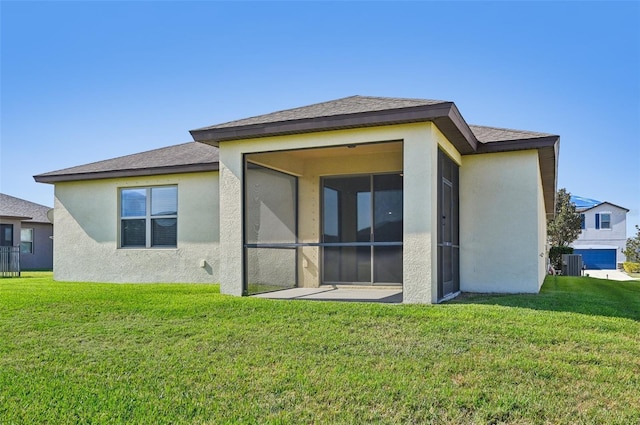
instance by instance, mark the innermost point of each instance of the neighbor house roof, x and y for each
(19, 209)
(184, 158)
(582, 203)
(600, 204)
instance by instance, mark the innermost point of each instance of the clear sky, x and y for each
(87, 81)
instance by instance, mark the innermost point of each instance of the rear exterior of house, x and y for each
(604, 233)
(357, 191)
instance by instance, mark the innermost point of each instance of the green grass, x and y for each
(158, 353)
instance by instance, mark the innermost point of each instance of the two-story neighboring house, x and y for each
(604, 233)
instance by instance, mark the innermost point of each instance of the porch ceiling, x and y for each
(293, 161)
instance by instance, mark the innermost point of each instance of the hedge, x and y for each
(630, 267)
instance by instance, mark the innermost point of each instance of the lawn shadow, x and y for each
(584, 295)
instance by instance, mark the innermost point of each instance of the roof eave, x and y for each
(445, 115)
(14, 217)
(151, 171)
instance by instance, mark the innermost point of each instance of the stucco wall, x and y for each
(86, 226)
(502, 223)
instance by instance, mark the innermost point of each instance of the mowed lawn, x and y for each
(173, 353)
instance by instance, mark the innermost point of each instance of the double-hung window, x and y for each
(26, 241)
(149, 217)
(603, 221)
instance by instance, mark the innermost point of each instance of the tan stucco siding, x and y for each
(86, 226)
(446, 146)
(502, 227)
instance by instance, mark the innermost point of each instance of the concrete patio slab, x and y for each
(331, 293)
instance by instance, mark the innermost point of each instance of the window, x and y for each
(605, 221)
(582, 222)
(6, 234)
(26, 241)
(149, 217)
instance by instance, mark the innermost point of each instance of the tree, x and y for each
(565, 227)
(632, 249)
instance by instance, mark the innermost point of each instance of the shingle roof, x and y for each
(346, 113)
(344, 106)
(366, 111)
(486, 134)
(186, 157)
(13, 207)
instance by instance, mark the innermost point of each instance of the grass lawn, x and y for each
(157, 353)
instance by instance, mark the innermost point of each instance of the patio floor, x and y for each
(332, 293)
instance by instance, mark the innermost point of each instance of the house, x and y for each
(25, 226)
(604, 233)
(356, 191)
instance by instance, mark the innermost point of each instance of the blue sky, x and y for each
(87, 81)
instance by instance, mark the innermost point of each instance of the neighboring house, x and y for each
(25, 225)
(604, 233)
(355, 191)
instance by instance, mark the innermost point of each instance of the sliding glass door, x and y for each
(362, 229)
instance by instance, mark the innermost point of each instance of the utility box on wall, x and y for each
(571, 264)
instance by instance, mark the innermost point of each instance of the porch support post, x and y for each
(420, 221)
(231, 218)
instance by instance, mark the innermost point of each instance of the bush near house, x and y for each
(555, 255)
(630, 267)
(184, 354)
(632, 248)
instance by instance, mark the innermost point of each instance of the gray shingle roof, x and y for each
(344, 106)
(11, 206)
(348, 112)
(186, 157)
(494, 134)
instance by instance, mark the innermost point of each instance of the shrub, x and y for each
(632, 249)
(630, 267)
(555, 255)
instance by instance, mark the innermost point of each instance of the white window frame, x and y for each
(30, 241)
(602, 221)
(148, 217)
